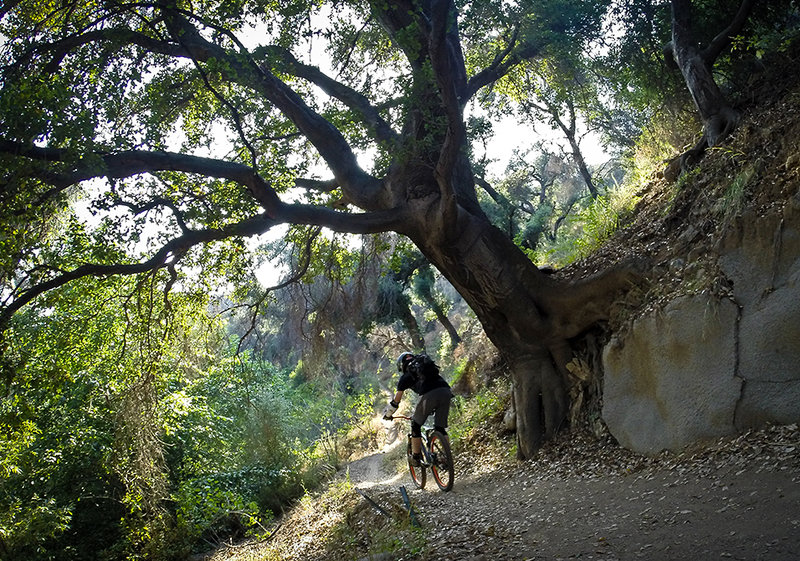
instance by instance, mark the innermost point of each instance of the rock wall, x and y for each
(701, 367)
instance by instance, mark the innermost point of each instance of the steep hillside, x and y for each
(708, 343)
(679, 223)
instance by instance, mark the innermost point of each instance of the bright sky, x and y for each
(510, 134)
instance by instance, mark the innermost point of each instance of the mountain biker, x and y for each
(421, 375)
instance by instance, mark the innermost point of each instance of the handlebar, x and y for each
(392, 418)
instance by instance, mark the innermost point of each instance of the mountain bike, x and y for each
(436, 455)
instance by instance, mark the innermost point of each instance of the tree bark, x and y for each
(696, 64)
(455, 338)
(577, 153)
(528, 315)
(410, 322)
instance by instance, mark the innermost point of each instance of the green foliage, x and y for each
(537, 224)
(474, 415)
(131, 429)
(774, 30)
(57, 483)
(459, 371)
(732, 201)
(213, 508)
(589, 227)
(27, 527)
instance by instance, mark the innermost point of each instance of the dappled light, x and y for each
(378, 469)
(233, 241)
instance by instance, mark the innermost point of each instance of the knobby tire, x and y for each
(442, 468)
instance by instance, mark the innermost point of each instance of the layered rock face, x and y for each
(702, 367)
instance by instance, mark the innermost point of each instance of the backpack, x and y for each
(422, 367)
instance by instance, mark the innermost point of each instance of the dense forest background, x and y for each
(158, 412)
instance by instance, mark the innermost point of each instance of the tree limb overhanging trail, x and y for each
(112, 123)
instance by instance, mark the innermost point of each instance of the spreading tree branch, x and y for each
(58, 50)
(448, 65)
(171, 252)
(243, 69)
(326, 138)
(491, 191)
(724, 38)
(320, 185)
(133, 162)
(503, 63)
(350, 97)
(168, 255)
(380, 129)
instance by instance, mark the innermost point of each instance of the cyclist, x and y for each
(421, 375)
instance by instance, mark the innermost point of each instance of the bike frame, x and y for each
(426, 449)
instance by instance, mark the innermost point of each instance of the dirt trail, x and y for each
(373, 471)
(582, 498)
(738, 499)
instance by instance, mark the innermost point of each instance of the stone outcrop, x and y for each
(702, 367)
(762, 259)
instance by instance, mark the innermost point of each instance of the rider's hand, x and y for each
(389, 410)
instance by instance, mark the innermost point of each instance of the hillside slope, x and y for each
(755, 173)
(708, 343)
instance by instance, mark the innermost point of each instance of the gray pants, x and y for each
(437, 402)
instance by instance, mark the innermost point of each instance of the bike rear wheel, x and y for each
(442, 465)
(417, 472)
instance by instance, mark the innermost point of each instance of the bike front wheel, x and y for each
(442, 464)
(417, 471)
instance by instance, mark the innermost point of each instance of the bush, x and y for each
(217, 508)
(474, 418)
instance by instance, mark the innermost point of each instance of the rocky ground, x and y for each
(583, 498)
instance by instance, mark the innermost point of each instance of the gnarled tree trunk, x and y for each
(696, 64)
(529, 315)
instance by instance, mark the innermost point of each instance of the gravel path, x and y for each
(737, 499)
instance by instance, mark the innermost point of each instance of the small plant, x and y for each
(687, 177)
(588, 229)
(732, 201)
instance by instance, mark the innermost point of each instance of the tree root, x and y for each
(716, 129)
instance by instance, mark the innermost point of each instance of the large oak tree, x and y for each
(208, 121)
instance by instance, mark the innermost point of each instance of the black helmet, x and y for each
(403, 359)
